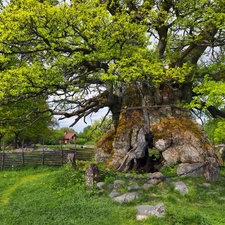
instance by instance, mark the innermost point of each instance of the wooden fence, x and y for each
(47, 157)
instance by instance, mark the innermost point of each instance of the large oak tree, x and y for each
(150, 62)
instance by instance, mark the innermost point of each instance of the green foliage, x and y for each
(57, 135)
(54, 138)
(84, 137)
(113, 38)
(28, 120)
(215, 130)
(213, 92)
(99, 128)
(94, 132)
(81, 141)
(66, 50)
(67, 130)
(43, 24)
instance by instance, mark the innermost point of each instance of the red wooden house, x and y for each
(68, 137)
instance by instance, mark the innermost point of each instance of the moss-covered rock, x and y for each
(181, 140)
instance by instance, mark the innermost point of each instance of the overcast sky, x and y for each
(81, 125)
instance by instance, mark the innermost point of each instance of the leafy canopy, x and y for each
(70, 49)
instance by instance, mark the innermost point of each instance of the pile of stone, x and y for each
(143, 211)
(131, 188)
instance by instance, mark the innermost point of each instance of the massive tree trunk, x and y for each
(151, 119)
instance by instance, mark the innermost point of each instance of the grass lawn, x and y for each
(58, 196)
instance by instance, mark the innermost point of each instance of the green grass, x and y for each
(58, 196)
(68, 146)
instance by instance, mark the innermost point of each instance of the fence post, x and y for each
(22, 157)
(43, 156)
(75, 153)
(61, 156)
(3, 157)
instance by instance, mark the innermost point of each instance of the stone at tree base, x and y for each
(188, 144)
(101, 185)
(206, 185)
(118, 183)
(133, 187)
(127, 197)
(147, 186)
(212, 169)
(110, 186)
(187, 167)
(155, 178)
(154, 181)
(114, 194)
(162, 144)
(181, 187)
(156, 175)
(149, 210)
(183, 153)
(183, 139)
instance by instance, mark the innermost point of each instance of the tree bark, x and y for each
(151, 119)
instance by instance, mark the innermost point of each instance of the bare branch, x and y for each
(86, 107)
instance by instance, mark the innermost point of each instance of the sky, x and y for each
(81, 124)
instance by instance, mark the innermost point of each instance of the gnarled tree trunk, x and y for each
(150, 119)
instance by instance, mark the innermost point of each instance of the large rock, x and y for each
(181, 140)
(190, 169)
(126, 197)
(118, 183)
(181, 187)
(114, 194)
(155, 178)
(133, 187)
(148, 210)
(212, 170)
(163, 144)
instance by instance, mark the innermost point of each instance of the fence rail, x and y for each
(45, 157)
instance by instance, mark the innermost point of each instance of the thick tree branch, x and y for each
(215, 112)
(196, 49)
(89, 106)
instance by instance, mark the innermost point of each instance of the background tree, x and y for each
(144, 60)
(215, 129)
(67, 130)
(99, 128)
(84, 136)
(92, 133)
(26, 121)
(55, 137)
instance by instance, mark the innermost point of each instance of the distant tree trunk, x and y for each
(1, 144)
(16, 140)
(151, 118)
